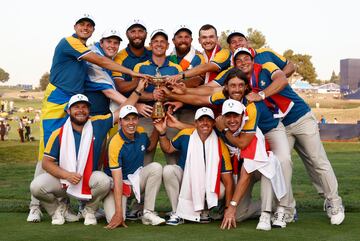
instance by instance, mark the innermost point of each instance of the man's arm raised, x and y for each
(109, 64)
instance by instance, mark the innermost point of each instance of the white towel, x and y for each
(200, 177)
(68, 159)
(134, 180)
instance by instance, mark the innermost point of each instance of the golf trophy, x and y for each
(158, 108)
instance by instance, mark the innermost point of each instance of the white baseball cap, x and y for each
(85, 16)
(204, 111)
(182, 27)
(78, 98)
(159, 31)
(137, 22)
(127, 109)
(110, 33)
(234, 106)
(235, 33)
(243, 50)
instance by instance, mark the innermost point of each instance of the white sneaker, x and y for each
(35, 215)
(151, 218)
(279, 218)
(264, 222)
(69, 216)
(174, 220)
(89, 216)
(58, 217)
(291, 217)
(336, 213)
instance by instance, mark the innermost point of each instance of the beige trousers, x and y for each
(150, 182)
(304, 136)
(48, 190)
(279, 145)
(247, 208)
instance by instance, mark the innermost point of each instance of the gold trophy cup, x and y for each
(158, 108)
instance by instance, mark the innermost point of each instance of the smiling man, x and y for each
(216, 58)
(70, 161)
(204, 158)
(134, 53)
(159, 64)
(67, 78)
(128, 173)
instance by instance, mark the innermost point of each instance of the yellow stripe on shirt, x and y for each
(250, 125)
(76, 44)
(115, 146)
(51, 140)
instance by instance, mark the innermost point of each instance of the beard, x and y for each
(78, 122)
(137, 45)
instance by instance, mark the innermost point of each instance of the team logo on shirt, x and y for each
(142, 148)
(262, 83)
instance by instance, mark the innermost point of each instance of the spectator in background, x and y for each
(8, 128)
(322, 120)
(11, 106)
(2, 130)
(21, 130)
(27, 131)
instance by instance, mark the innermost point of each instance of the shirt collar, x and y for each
(145, 53)
(75, 36)
(165, 64)
(127, 140)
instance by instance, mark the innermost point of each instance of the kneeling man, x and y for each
(70, 161)
(127, 149)
(204, 159)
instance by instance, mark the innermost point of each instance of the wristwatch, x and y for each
(262, 94)
(233, 203)
(225, 130)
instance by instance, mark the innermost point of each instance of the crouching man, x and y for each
(70, 161)
(127, 149)
(250, 148)
(204, 160)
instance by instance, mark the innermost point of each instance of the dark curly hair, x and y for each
(236, 72)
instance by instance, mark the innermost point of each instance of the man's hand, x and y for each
(179, 88)
(141, 85)
(158, 94)
(171, 121)
(160, 125)
(174, 79)
(229, 218)
(73, 177)
(116, 221)
(253, 97)
(220, 123)
(174, 105)
(143, 109)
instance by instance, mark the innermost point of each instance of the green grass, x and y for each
(312, 226)
(17, 163)
(23, 103)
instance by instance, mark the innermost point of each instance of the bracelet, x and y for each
(183, 75)
(163, 134)
(137, 92)
(224, 131)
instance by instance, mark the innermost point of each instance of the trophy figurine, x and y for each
(158, 108)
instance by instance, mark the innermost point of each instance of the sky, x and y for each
(327, 30)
